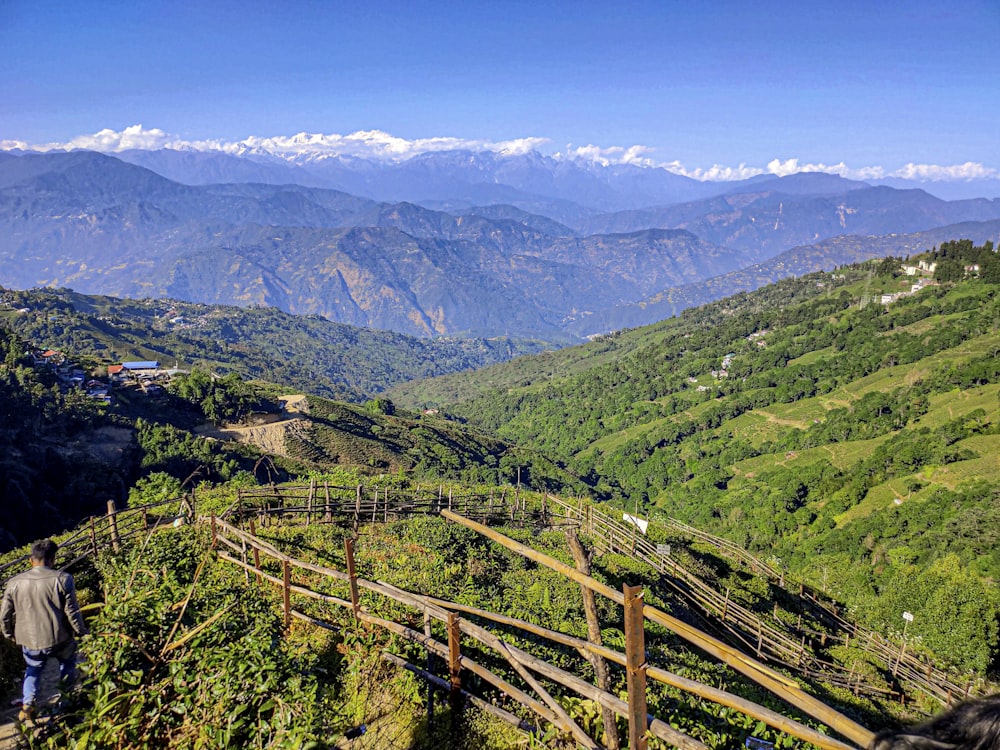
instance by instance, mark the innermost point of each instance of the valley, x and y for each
(835, 428)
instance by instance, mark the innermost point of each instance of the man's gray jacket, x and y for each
(40, 609)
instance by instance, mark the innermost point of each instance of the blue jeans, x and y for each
(64, 653)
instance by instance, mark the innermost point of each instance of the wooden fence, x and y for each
(109, 531)
(908, 669)
(793, 646)
(252, 553)
(352, 506)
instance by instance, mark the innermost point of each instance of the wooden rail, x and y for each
(907, 667)
(760, 636)
(109, 531)
(793, 647)
(242, 543)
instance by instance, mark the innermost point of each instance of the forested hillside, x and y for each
(850, 435)
(64, 454)
(308, 353)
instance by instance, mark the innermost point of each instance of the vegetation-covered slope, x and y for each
(308, 353)
(856, 440)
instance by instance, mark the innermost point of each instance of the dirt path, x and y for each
(48, 695)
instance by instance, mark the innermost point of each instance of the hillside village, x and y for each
(146, 377)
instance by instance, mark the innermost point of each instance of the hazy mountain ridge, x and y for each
(395, 266)
(771, 221)
(96, 224)
(798, 261)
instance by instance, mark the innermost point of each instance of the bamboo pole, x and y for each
(256, 551)
(454, 653)
(286, 571)
(566, 722)
(116, 540)
(435, 681)
(602, 678)
(93, 536)
(429, 665)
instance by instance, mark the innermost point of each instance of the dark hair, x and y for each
(973, 725)
(44, 551)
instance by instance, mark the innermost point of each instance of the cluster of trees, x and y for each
(959, 258)
(221, 399)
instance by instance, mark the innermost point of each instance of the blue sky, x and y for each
(699, 83)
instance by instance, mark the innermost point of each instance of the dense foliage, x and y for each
(853, 439)
(306, 353)
(183, 655)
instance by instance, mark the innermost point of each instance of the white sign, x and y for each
(640, 523)
(908, 617)
(663, 550)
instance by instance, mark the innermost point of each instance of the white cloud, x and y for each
(792, 166)
(377, 144)
(108, 141)
(715, 173)
(364, 143)
(634, 155)
(954, 173)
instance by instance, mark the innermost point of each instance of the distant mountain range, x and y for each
(467, 243)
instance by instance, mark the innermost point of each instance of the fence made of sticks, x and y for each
(235, 533)
(261, 559)
(110, 531)
(792, 646)
(909, 668)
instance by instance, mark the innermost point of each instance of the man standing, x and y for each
(41, 614)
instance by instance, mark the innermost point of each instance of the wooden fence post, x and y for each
(256, 552)
(243, 555)
(286, 570)
(601, 675)
(309, 502)
(357, 508)
(352, 576)
(116, 541)
(328, 513)
(454, 663)
(635, 656)
(93, 536)
(430, 667)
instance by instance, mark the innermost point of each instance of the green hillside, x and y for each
(63, 454)
(848, 443)
(855, 441)
(308, 353)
